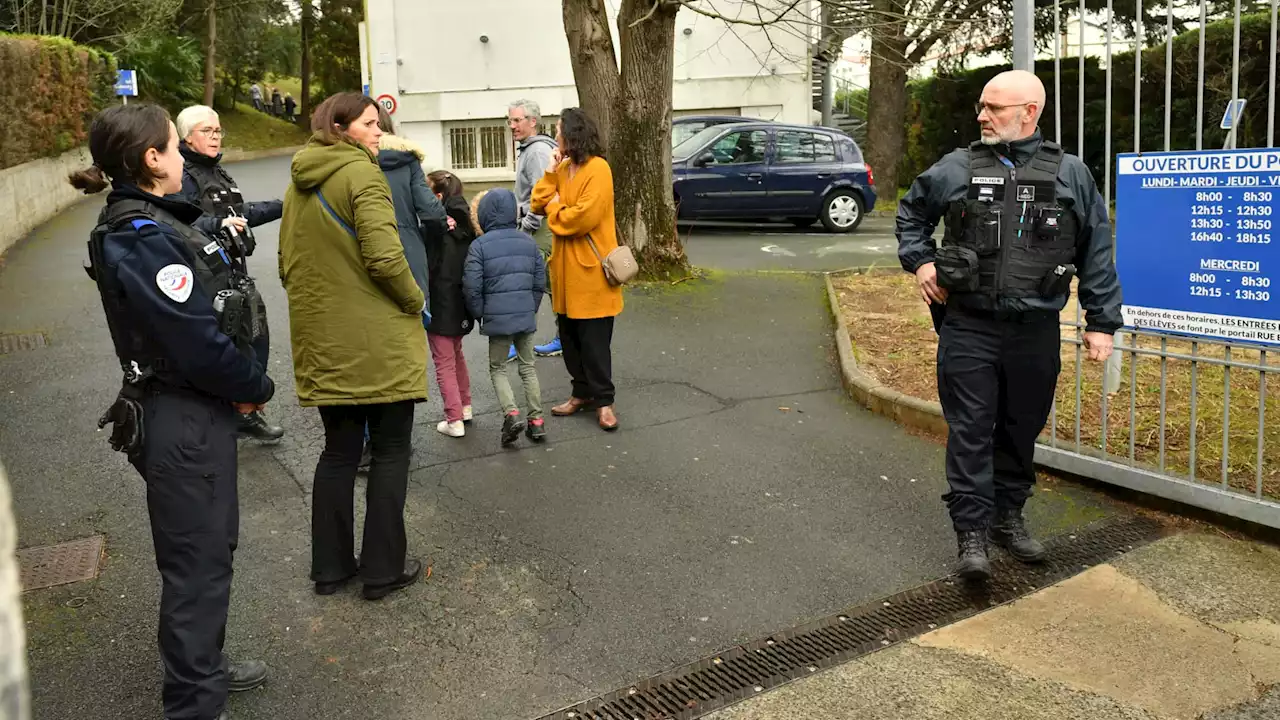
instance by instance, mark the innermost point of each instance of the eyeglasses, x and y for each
(212, 132)
(991, 108)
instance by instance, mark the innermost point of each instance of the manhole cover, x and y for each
(60, 564)
(14, 343)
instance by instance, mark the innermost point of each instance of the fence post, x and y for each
(1024, 37)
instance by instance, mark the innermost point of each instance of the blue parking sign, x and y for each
(127, 83)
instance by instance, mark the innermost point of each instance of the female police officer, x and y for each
(186, 379)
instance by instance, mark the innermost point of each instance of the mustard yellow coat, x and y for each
(575, 208)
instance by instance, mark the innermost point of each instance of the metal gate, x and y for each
(1170, 415)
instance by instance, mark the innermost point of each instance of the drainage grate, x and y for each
(60, 564)
(713, 683)
(14, 343)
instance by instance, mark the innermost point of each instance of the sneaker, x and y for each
(511, 355)
(452, 429)
(550, 349)
(512, 426)
(537, 430)
(467, 414)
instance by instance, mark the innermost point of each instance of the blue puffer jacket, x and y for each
(505, 276)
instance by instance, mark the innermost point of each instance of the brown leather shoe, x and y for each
(568, 407)
(608, 421)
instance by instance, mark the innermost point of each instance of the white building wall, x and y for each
(455, 65)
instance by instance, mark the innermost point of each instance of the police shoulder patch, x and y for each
(175, 281)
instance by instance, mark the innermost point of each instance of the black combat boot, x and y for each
(246, 675)
(973, 563)
(255, 426)
(1009, 531)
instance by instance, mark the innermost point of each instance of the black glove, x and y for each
(127, 432)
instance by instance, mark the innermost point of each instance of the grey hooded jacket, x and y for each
(532, 158)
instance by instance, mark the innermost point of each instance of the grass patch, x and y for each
(894, 341)
(247, 129)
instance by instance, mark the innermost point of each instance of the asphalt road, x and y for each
(744, 246)
(743, 494)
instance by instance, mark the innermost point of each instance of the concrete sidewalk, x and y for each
(1187, 628)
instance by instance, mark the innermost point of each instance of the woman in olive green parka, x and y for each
(359, 351)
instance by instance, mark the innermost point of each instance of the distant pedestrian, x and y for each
(255, 94)
(277, 103)
(533, 154)
(359, 354)
(447, 249)
(504, 281)
(576, 196)
(290, 107)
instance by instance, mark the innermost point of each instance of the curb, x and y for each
(871, 393)
(235, 156)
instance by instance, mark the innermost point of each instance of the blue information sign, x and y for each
(127, 83)
(1198, 242)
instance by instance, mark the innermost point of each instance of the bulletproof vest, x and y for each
(217, 191)
(209, 262)
(1010, 233)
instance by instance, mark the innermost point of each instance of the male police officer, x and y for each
(206, 184)
(1022, 218)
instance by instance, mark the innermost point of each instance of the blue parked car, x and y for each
(762, 170)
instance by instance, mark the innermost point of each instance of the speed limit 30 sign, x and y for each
(388, 103)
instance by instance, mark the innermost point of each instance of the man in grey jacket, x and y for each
(533, 154)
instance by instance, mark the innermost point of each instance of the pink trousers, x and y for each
(451, 374)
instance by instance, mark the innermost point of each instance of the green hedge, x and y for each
(940, 112)
(53, 89)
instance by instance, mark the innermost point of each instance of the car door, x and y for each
(727, 178)
(803, 167)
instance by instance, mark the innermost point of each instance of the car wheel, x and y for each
(802, 223)
(842, 211)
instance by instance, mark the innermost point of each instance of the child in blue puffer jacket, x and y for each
(503, 282)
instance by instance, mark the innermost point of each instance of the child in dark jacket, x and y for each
(446, 255)
(503, 282)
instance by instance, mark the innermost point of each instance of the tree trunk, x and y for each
(595, 68)
(307, 23)
(640, 150)
(887, 97)
(210, 59)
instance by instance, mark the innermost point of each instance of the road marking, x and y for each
(775, 250)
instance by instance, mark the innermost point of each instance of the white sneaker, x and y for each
(467, 415)
(452, 429)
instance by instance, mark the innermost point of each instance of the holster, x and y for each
(128, 431)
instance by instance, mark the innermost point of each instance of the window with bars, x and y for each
(487, 144)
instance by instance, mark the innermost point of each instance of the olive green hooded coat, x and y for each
(355, 312)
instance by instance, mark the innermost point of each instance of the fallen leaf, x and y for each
(785, 409)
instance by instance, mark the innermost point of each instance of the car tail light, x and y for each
(871, 178)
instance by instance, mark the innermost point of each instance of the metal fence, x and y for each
(1173, 416)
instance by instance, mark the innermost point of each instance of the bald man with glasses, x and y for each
(1021, 219)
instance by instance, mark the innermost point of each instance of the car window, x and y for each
(737, 148)
(851, 151)
(804, 147)
(685, 130)
(692, 143)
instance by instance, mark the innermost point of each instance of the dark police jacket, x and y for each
(939, 189)
(206, 184)
(164, 307)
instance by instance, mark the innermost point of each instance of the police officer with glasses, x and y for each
(181, 312)
(207, 184)
(1022, 219)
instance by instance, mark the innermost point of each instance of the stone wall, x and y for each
(34, 192)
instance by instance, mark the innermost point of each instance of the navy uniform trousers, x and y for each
(996, 379)
(189, 463)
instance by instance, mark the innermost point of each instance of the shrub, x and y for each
(58, 86)
(940, 111)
